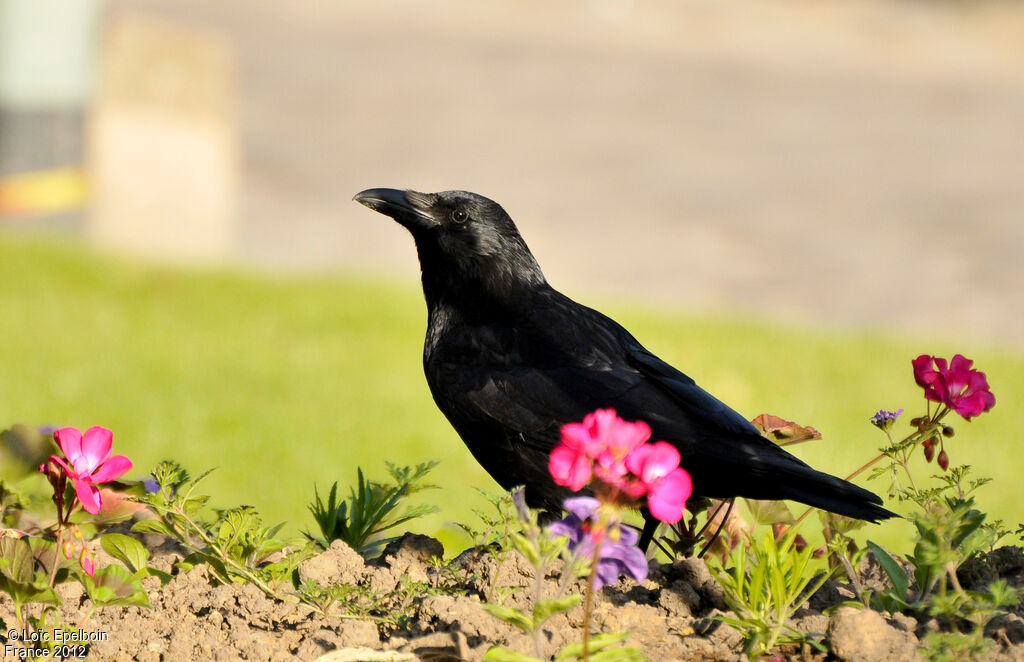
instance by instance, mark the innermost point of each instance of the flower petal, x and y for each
(70, 442)
(89, 496)
(924, 373)
(569, 467)
(113, 468)
(568, 527)
(575, 436)
(96, 444)
(667, 499)
(582, 507)
(656, 461)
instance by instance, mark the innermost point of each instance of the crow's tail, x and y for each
(835, 495)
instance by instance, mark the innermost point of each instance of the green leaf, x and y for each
(152, 526)
(510, 615)
(525, 547)
(498, 654)
(897, 575)
(126, 549)
(150, 571)
(597, 643)
(618, 655)
(17, 562)
(545, 609)
(113, 585)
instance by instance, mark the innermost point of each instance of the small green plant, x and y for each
(392, 610)
(767, 582)
(950, 531)
(949, 528)
(542, 549)
(234, 542)
(371, 509)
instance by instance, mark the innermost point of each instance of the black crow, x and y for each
(510, 360)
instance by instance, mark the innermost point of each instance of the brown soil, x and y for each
(670, 616)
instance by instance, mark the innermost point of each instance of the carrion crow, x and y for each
(510, 360)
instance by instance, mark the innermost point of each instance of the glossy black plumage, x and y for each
(509, 360)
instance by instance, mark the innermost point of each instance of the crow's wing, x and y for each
(508, 390)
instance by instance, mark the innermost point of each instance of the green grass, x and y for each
(286, 382)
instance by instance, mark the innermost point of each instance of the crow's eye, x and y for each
(458, 216)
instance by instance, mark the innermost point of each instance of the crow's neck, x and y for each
(481, 289)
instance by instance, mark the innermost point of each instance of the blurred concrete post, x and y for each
(47, 72)
(163, 141)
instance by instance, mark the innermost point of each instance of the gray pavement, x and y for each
(841, 163)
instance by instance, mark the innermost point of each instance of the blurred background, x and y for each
(788, 200)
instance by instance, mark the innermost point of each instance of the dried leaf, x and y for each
(784, 432)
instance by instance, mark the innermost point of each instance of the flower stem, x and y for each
(56, 553)
(588, 605)
(538, 593)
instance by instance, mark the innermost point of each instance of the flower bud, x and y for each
(943, 459)
(58, 479)
(947, 431)
(519, 500)
(916, 421)
(69, 549)
(54, 472)
(929, 450)
(87, 563)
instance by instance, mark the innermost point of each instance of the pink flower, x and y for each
(570, 464)
(596, 447)
(667, 485)
(91, 462)
(957, 386)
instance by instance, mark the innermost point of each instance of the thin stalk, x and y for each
(238, 567)
(56, 554)
(538, 594)
(62, 522)
(588, 605)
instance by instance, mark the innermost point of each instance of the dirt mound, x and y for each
(404, 606)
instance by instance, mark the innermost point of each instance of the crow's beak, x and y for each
(409, 208)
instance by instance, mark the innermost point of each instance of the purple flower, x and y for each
(884, 419)
(617, 551)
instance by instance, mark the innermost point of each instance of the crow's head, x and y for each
(464, 240)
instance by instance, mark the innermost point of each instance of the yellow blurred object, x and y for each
(42, 192)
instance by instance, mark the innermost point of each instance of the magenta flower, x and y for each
(614, 454)
(91, 462)
(958, 386)
(617, 551)
(667, 485)
(597, 447)
(570, 463)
